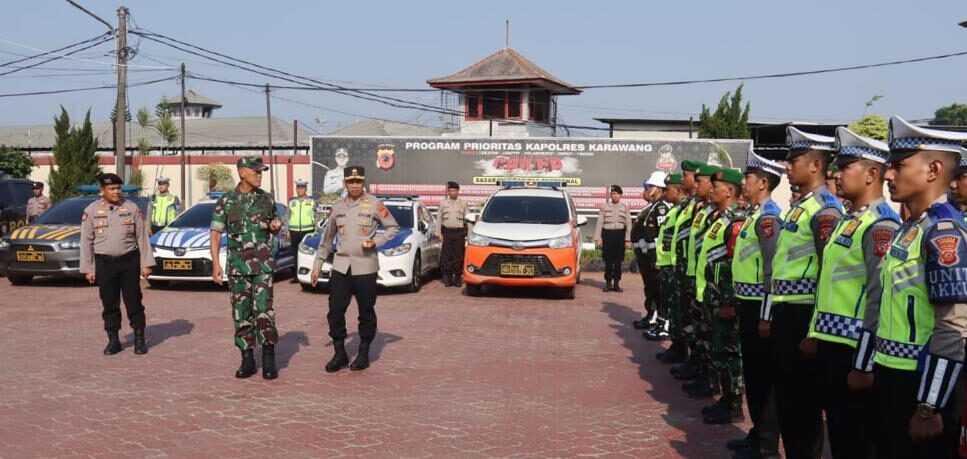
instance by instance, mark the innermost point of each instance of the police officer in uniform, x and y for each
(451, 226)
(713, 278)
(665, 261)
(248, 217)
(611, 234)
(849, 284)
(678, 352)
(788, 307)
(115, 254)
(751, 277)
(353, 222)
(38, 204)
(302, 209)
(163, 207)
(914, 342)
(644, 232)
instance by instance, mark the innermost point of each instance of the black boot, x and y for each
(140, 346)
(747, 441)
(447, 280)
(616, 288)
(339, 359)
(268, 362)
(730, 413)
(607, 286)
(719, 404)
(701, 390)
(362, 357)
(247, 368)
(457, 280)
(113, 343)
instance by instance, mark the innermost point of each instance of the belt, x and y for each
(458, 228)
(744, 289)
(837, 325)
(133, 253)
(898, 349)
(794, 287)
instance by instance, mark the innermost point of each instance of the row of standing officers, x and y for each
(848, 315)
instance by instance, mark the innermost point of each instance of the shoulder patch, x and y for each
(881, 242)
(768, 227)
(825, 225)
(947, 249)
(382, 210)
(946, 266)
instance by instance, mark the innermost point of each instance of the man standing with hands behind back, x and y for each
(247, 215)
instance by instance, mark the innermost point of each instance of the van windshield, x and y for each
(541, 210)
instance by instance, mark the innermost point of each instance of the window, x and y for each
(22, 192)
(473, 106)
(494, 104)
(526, 209)
(513, 105)
(540, 106)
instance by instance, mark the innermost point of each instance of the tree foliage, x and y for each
(15, 163)
(950, 115)
(872, 126)
(167, 129)
(219, 177)
(729, 121)
(75, 156)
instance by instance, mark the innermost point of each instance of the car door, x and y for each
(432, 244)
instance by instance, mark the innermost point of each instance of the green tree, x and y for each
(950, 115)
(75, 156)
(15, 162)
(872, 126)
(144, 148)
(219, 177)
(163, 107)
(729, 121)
(167, 129)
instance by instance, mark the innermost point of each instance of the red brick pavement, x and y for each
(497, 376)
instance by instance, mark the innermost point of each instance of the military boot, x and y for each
(447, 280)
(701, 390)
(113, 343)
(616, 287)
(732, 413)
(607, 286)
(718, 405)
(140, 345)
(747, 441)
(687, 373)
(673, 355)
(268, 362)
(247, 368)
(458, 280)
(362, 357)
(340, 359)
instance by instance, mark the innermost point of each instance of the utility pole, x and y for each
(268, 119)
(184, 178)
(121, 109)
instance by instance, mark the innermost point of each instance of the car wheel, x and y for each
(416, 281)
(20, 279)
(474, 289)
(158, 283)
(566, 293)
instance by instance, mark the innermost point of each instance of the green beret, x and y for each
(673, 179)
(691, 165)
(833, 168)
(707, 170)
(733, 176)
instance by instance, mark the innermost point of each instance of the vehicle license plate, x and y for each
(509, 269)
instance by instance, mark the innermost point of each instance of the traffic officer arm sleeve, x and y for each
(177, 205)
(87, 244)
(600, 225)
(944, 255)
(144, 243)
(876, 243)
(823, 225)
(767, 229)
(325, 242)
(389, 223)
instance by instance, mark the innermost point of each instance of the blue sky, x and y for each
(402, 44)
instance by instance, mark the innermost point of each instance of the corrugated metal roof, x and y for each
(193, 98)
(505, 65)
(373, 127)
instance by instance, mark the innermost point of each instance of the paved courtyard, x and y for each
(511, 374)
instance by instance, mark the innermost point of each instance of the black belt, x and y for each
(133, 253)
(459, 228)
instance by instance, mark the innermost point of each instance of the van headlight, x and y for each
(68, 245)
(398, 250)
(306, 249)
(561, 242)
(478, 240)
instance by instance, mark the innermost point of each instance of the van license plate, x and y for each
(509, 269)
(177, 265)
(30, 257)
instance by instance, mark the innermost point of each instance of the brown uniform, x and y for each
(452, 227)
(613, 230)
(114, 246)
(37, 206)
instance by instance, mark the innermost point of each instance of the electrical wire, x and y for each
(27, 58)
(57, 56)
(92, 88)
(67, 56)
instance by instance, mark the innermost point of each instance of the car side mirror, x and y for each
(422, 227)
(582, 220)
(470, 218)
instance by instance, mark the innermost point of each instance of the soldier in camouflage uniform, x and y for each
(719, 297)
(248, 216)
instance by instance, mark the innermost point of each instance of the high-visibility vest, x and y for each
(906, 320)
(747, 263)
(163, 209)
(664, 247)
(699, 225)
(714, 249)
(683, 227)
(795, 272)
(302, 214)
(841, 294)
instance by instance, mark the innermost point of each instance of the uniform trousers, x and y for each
(342, 288)
(120, 277)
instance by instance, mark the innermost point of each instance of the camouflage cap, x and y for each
(673, 179)
(251, 162)
(691, 165)
(733, 176)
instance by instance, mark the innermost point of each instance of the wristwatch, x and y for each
(926, 410)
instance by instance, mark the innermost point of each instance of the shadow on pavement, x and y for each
(683, 414)
(156, 334)
(375, 349)
(289, 345)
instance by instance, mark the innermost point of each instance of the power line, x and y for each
(92, 88)
(56, 56)
(101, 37)
(67, 55)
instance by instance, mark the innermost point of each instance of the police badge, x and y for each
(385, 156)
